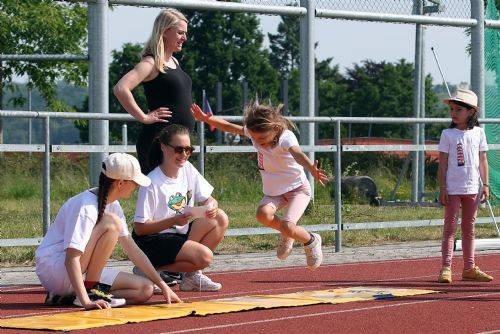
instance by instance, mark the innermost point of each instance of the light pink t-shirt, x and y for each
(463, 147)
(279, 171)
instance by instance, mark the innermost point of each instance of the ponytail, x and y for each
(102, 193)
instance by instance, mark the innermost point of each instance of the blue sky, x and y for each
(348, 42)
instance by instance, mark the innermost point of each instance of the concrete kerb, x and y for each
(25, 275)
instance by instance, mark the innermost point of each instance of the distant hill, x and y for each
(62, 131)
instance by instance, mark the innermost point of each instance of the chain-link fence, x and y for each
(449, 8)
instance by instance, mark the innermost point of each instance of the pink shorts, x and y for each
(295, 202)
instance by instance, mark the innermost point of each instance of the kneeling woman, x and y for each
(163, 228)
(71, 259)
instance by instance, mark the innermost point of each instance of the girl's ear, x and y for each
(163, 147)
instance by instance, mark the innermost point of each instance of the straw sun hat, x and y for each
(465, 96)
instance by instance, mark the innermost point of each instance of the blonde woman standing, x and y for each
(167, 87)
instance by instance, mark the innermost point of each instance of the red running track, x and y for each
(463, 307)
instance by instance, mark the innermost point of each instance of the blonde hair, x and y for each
(263, 118)
(154, 46)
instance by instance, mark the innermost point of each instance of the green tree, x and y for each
(334, 97)
(42, 27)
(285, 58)
(385, 90)
(122, 61)
(284, 46)
(228, 48)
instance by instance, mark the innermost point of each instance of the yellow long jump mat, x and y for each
(132, 314)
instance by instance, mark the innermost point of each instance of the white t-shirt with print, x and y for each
(74, 223)
(279, 171)
(463, 147)
(166, 197)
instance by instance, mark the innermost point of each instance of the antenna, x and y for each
(439, 67)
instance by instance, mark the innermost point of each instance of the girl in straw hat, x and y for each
(462, 163)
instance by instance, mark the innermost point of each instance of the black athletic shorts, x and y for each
(161, 248)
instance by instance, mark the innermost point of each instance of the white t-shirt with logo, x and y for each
(166, 197)
(463, 147)
(279, 171)
(74, 223)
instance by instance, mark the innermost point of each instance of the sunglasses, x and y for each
(180, 149)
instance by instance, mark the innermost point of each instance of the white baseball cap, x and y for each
(465, 96)
(123, 166)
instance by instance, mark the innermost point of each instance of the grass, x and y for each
(238, 190)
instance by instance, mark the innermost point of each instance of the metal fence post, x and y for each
(477, 53)
(337, 187)
(201, 141)
(46, 175)
(218, 110)
(124, 134)
(421, 158)
(307, 77)
(417, 87)
(284, 95)
(98, 83)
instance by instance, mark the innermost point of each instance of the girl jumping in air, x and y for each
(285, 185)
(462, 164)
(71, 259)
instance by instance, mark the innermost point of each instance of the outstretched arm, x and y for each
(302, 159)
(215, 121)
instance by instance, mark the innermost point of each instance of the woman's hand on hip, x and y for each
(158, 115)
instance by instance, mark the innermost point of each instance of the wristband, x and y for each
(486, 185)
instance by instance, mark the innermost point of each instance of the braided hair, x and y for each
(102, 193)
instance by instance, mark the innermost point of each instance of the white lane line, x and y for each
(490, 332)
(331, 285)
(350, 264)
(267, 320)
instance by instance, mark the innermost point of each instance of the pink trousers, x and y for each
(469, 211)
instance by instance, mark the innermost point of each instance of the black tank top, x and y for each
(172, 90)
